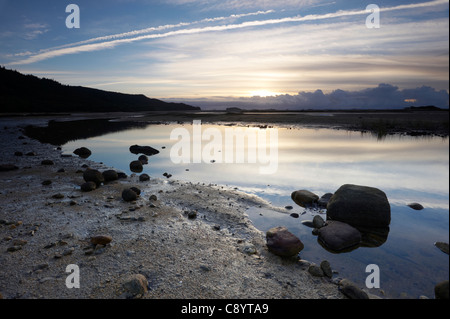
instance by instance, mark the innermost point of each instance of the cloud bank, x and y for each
(384, 96)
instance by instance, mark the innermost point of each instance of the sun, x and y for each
(262, 93)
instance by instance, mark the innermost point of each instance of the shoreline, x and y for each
(217, 255)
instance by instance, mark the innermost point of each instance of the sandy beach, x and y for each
(44, 228)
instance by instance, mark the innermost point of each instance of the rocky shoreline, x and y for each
(150, 247)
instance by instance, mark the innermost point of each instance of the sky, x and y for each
(285, 54)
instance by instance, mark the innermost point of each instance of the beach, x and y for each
(47, 223)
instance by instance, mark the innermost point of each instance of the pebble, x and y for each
(101, 240)
(14, 248)
(136, 285)
(326, 268)
(316, 271)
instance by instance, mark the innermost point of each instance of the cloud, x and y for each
(384, 96)
(122, 38)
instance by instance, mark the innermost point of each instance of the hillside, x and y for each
(28, 93)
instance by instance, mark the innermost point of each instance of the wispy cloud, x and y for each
(112, 41)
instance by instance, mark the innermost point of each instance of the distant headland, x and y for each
(28, 93)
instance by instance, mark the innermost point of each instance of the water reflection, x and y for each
(407, 169)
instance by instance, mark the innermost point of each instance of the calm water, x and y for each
(407, 169)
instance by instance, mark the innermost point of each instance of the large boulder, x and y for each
(283, 243)
(338, 236)
(360, 206)
(304, 198)
(146, 150)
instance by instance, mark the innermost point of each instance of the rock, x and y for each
(93, 175)
(308, 223)
(323, 201)
(289, 207)
(146, 150)
(110, 175)
(352, 291)
(136, 285)
(31, 153)
(7, 167)
(129, 195)
(338, 236)
(136, 166)
(304, 198)
(315, 271)
(416, 206)
(441, 290)
(326, 268)
(47, 162)
(318, 222)
(121, 175)
(442, 246)
(192, 214)
(136, 190)
(83, 152)
(88, 186)
(14, 248)
(101, 240)
(19, 242)
(143, 159)
(294, 215)
(249, 249)
(144, 178)
(153, 197)
(283, 243)
(360, 206)
(46, 182)
(58, 196)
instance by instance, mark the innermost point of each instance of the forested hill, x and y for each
(28, 93)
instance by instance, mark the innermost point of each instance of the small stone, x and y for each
(88, 186)
(129, 195)
(295, 215)
(58, 196)
(416, 206)
(318, 222)
(83, 152)
(47, 162)
(136, 167)
(304, 198)
(14, 248)
(289, 207)
(144, 178)
(136, 285)
(192, 214)
(249, 249)
(93, 175)
(326, 268)
(153, 198)
(316, 271)
(110, 175)
(349, 289)
(283, 243)
(136, 190)
(19, 242)
(46, 182)
(101, 240)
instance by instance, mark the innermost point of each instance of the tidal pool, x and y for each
(408, 169)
